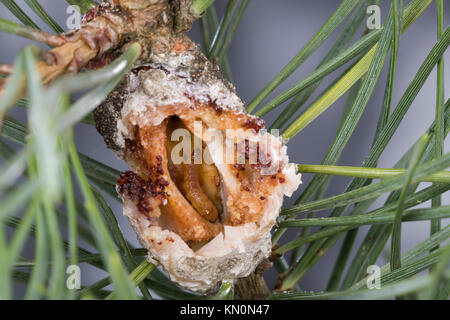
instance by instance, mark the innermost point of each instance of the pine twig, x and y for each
(104, 29)
(107, 29)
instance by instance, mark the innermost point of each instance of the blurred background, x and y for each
(270, 34)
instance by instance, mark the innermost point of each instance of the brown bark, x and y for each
(253, 287)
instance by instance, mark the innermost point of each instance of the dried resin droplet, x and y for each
(206, 180)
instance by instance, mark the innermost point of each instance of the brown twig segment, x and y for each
(6, 69)
(92, 40)
(253, 287)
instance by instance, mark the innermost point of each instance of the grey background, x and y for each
(271, 33)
